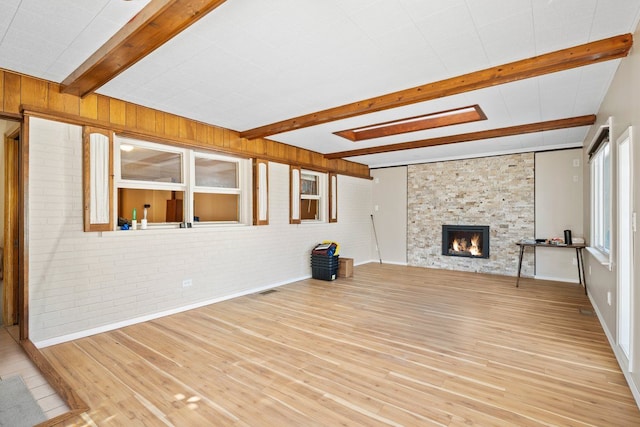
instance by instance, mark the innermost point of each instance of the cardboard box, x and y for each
(345, 267)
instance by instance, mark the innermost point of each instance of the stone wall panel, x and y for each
(495, 191)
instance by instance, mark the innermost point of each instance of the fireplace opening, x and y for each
(465, 240)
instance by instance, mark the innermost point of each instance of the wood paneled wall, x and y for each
(20, 93)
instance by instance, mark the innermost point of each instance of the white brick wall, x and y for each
(82, 282)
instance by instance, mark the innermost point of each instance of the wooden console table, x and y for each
(581, 277)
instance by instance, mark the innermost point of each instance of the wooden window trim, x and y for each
(333, 197)
(294, 194)
(86, 178)
(602, 136)
(260, 192)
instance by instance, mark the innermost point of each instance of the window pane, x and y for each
(216, 173)
(146, 164)
(310, 184)
(216, 207)
(606, 198)
(165, 205)
(597, 201)
(309, 208)
(601, 199)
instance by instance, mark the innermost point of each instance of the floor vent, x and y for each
(268, 291)
(587, 311)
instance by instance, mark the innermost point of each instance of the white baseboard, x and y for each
(394, 263)
(377, 261)
(146, 318)
(620, 358)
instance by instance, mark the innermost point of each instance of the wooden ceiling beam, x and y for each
(472, 136)
(154, 25)
(578, 56)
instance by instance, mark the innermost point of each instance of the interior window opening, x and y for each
(162, 206)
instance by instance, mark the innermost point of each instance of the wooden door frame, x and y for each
(23, 229)
(11, 292)
(626, 137)
(20, 177)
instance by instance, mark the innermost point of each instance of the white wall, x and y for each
(622, 103)
(558, 207)
(390, 198)
(80, 283)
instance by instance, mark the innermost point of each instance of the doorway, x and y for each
(625, 244)
(11, 290)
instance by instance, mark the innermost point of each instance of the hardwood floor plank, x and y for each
(392, 345)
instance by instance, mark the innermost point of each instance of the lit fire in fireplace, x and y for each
(462, 245)
(465, 240)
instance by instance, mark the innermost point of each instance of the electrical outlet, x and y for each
(576, 163)
(186, 283)
(574, 261)
(609, 297)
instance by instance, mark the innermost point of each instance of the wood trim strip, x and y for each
(64, 390)
(257, 186)
(11, 276)
(23, 231)
(333, 195)
(158, 22)
(86, 179)
(573, 57)
(292, 219)
(472, 136)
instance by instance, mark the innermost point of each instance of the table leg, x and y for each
(578, 264)
(581, 276)
(519, 265)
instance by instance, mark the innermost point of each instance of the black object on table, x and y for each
(581, 277)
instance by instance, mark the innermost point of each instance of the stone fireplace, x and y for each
(470, 241)
(496, 191)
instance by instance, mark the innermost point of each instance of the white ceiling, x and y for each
(253, 62)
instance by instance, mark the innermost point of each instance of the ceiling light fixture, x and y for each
(412, 124)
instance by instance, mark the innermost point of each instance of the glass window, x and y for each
(175, 185)
(601, 198)
(313, 195)
(217, 193)
(310, 184)
(165, 206)
(216, 173)
(216, 207)
(146, 164)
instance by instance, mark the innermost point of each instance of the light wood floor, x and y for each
(14, 361)
(391, 346)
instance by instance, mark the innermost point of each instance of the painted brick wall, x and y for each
(80, 282)
(496, 191)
